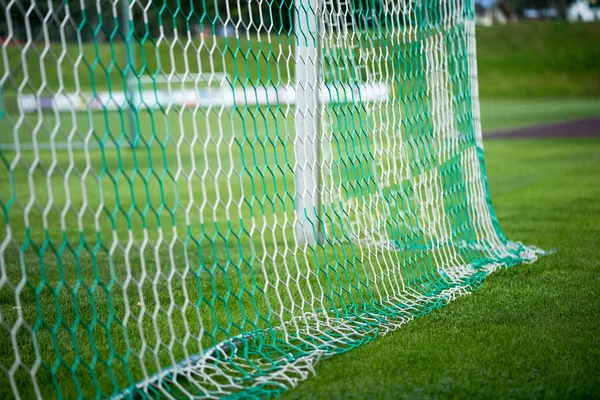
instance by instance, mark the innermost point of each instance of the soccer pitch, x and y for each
(163, 251)
(133, 184)
(177, 173)
(111, 312)
(529, 332)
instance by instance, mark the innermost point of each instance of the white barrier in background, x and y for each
(204, 97)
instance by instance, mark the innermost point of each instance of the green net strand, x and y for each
(205, 199)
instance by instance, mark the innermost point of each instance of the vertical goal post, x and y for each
(307, 123)
(129, 87)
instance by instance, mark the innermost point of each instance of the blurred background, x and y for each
(546, 51)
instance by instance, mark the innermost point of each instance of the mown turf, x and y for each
(505, 114)
(497, 153)
(542, 59)
(531, 331)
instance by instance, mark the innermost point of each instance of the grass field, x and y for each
(506, 114)
(530, 332)
(543, 59)
(124, 248)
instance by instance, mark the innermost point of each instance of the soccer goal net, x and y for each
(204, 198)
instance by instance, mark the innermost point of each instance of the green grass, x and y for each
(531, 331)
(541, 59)
(505, 114)
(528, 180)
(78, 268)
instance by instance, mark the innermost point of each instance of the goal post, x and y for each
(304, 175)
(129, 87)
(306, 118)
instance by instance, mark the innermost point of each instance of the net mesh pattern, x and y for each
(204, 199)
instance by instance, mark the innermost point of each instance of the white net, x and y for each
(203, 199)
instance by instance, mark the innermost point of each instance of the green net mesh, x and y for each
(205, 198)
